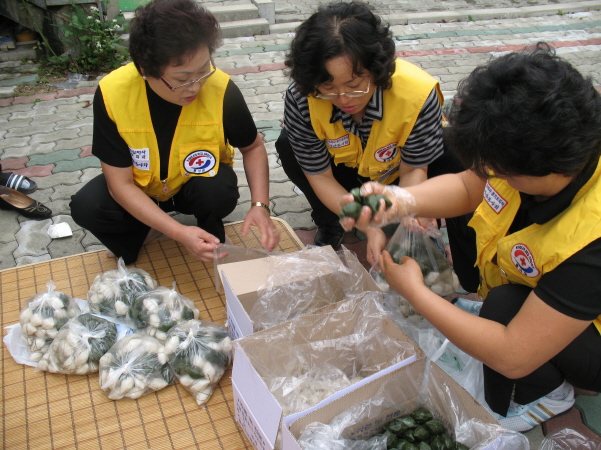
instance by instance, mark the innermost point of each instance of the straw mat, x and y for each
(42, 411)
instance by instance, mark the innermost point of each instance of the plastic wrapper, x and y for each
(426, 247)
(318, 354)
(199, 353)
(305, 281)
(113, 291)
(568, 439)
(133, 367)
(79, 345)
(43, 317)
(369, 422)
(155, 312)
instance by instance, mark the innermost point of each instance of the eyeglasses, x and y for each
(190, 83)
(351, 94)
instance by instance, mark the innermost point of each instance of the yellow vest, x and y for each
(198, 144)
(523, 257)
(403, 102)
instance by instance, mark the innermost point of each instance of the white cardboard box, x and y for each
(243, 279)
(257, 410)
(446, 400)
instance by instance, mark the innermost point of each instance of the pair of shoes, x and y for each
(526, 417)
(11, 199)
(17, 182)
(470, 306)
(329, 234)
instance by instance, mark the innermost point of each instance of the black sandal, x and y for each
(17, 182)
(11, 199)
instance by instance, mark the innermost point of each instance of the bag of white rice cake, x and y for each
(133, 367)
(199, 352)
(79, 345)
(156, 312)
(43, 317)
(113, 291)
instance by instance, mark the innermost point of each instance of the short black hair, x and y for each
(527, 113)
(338, 29)
(165, 32)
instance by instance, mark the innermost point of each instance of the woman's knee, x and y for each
(504, 302)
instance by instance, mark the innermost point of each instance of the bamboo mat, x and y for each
(43, 411)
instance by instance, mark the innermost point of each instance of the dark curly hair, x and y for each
(165, 32)
(527, 113)
(339, 29)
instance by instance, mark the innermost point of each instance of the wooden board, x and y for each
(40, 410)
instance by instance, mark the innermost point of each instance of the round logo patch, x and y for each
(199, 162)
(387, 153)
(524, 261)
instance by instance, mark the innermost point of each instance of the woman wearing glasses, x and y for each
(354, 113)
(165, 128)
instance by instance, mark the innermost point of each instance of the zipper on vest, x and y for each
(165, 188)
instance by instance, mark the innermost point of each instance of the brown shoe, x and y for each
(11, 199)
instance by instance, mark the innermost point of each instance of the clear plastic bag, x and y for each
(325, 352)
(112, 292)
(155, 312)
(43, 317)
(363, 424)
(136, 365)
(426, 247)
(568, 439)
(199, 353)
(79, 345)
(305, 281)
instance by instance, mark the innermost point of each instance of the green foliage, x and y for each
(560, 13)
(93, 41)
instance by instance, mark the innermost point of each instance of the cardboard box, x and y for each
(445, 399)
(259, 412)
(243, 279)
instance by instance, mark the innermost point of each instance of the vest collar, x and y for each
(542, 212)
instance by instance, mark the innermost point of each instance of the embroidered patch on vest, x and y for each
(387, 153)
(198, 162)
(340, 142)
(494, 199)
(140, 158)
(522, 259)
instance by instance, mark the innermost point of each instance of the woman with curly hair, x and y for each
(529, 128)
(355, 113)
(165, 128)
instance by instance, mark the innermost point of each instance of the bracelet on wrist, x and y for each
(262, 205)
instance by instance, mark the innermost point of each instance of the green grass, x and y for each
(131, 5)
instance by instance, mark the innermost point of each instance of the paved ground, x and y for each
(48, 137)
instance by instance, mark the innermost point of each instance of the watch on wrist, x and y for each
(262, 205)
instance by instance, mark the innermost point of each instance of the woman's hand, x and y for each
(403, 204)
(198, 242)
(376, 243)
(259, 217)
(405, 278)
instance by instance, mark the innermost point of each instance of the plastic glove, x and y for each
(403, 204)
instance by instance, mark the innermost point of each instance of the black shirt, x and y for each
(573, 287)
(110, 148)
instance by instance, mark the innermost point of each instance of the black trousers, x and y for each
(209, 199)
(347, 177)
(579, 363)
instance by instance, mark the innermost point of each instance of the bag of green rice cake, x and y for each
(113, 291)
(79, 345)
(136, 365)
(43, 317)
(199, 353)
(156, 312)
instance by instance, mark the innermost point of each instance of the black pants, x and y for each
(347, 177)
(209, 199)
(579, 363)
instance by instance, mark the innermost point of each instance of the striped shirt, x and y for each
(423, 146)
